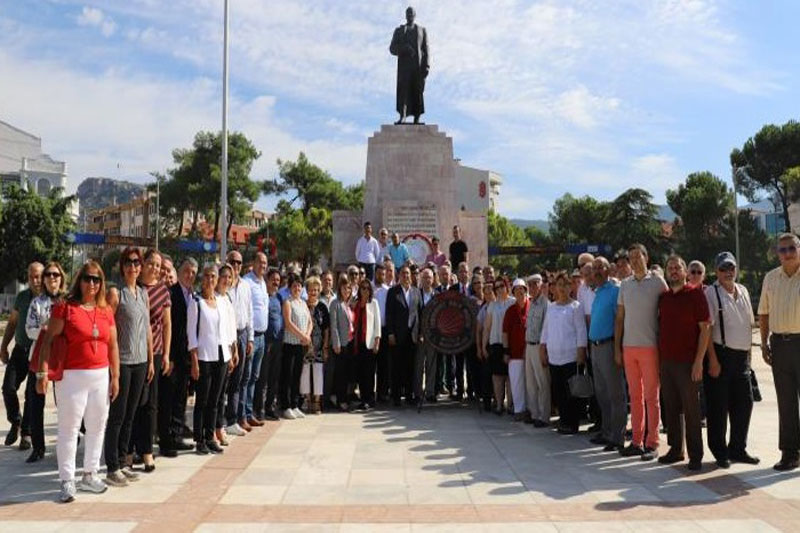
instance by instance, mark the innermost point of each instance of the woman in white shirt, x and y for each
(226, 305)
(493, 336)
(211, 333)
(563, 348)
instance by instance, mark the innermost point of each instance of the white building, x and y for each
(478, 189)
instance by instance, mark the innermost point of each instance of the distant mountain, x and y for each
(522, 223)
(96, 193)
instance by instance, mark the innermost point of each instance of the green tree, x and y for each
(765, 163)
(302, 226)
(632, 217)
(33, 228)
(193, 185)
(503, 233)
(704, 204)
(576, 220)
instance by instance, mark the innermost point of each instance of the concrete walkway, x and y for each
(449, 468)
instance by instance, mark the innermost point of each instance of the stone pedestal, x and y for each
(411, 187)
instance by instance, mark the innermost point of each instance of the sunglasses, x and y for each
(54, 275)
(132, 262)
(89, 278)
(235, 262)
(726, 268)
(696, 272)
(787, 249)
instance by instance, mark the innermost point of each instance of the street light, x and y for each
(223, 215)
(735, 172)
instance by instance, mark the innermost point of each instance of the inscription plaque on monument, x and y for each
(411, 217)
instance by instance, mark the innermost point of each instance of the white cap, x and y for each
(519, 282)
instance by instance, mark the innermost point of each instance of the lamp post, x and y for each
(223, 215)
(734, 173)
(158, 207)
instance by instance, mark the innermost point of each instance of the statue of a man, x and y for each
(410, 45)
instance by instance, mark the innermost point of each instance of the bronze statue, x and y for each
(410, 45)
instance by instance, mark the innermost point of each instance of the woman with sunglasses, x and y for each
(53, 283)
(211, 331)
(296, 340)
(91, 376)
(493, 336)
(562, 348)
(131, 307)
(161, 329)
(342, 332)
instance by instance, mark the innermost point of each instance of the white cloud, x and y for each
(92, 16)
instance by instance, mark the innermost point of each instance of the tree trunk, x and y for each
(228, 225)
(217, 236)
(783, 196)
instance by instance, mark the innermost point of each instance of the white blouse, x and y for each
(217, 327)
(564, 331)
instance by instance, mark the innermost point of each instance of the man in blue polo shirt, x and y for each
(398, 251)
(609, 386)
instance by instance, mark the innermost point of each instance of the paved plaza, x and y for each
(449, 468)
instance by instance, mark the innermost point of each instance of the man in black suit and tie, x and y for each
(172, 395)
(455, 363)
(402, 326)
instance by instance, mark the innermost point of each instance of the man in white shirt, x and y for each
(260, 304)
(368, 251)
(383, 241)
(726, 379)
(243, 307)
(384, 361)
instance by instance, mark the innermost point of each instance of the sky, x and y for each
(557, 96)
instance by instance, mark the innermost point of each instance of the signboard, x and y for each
(449, 321)
(419, 247)
(411, 217)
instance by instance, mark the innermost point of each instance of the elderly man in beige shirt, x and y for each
(779, 322)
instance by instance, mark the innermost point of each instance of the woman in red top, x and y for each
(91, 376)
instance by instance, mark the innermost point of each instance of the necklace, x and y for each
(95, 329)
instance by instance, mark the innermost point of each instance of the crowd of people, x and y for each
(253, 344)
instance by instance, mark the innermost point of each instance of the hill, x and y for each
(96, 193)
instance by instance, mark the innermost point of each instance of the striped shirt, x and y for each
(158, 293)
(131, 318)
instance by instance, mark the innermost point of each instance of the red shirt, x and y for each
(679, 314)
(84, 351)
(514, 323)
(360, 322)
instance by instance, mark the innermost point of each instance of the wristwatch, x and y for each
(41, 375)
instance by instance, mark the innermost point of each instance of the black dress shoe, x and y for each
(13, 435)
(167, 452)
(649, 454)
(35, 456)
(214, 447)
(270, 415)
(671, 457)
(745, 458)
(540, 424)
(610, 447)
(25, 443)
(149, 468)
(695, 465)
(183, 446)
(202, 448)
(594, 428)
(723, 463)
(631, 450)
(598, 439)
(564, 430)
(786, 463)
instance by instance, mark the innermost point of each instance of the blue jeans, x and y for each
(252, 370)
(235, 381)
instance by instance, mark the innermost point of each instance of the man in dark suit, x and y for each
(172, 394)
(455, 363)
(410, 45)
(402, 325)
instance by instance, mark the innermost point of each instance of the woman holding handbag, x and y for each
(53, 283)
(90, 363)
(562, 349)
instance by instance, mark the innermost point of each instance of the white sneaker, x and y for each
(298, 413)
(288, 414)
(91, 483)
(67, 491)
(235, 430)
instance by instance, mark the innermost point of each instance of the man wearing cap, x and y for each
(684, 329)
(609, 386)
(514, 325)
(726, 379)
(537, 377)
(368, 251)
(779, 324)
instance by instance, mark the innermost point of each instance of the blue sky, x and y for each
(557, 96)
